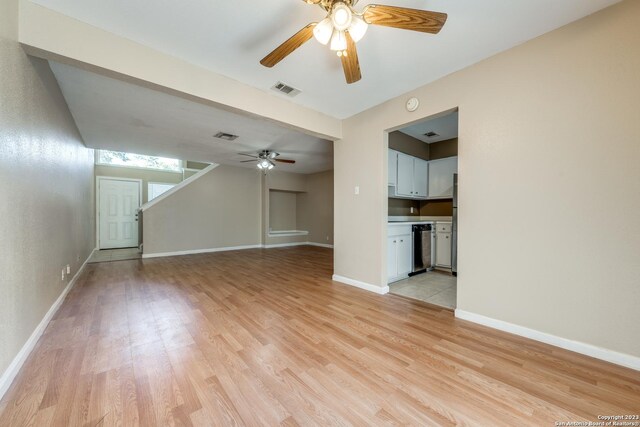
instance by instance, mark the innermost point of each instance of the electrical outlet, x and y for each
(63, 274)
(327, 238)
(77, 258)
(356, 190)
(411, 209)
(68, 269)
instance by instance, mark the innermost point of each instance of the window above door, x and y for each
(118, 158)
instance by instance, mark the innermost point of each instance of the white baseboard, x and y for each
(322, 245)
(611, 356)
(232, 248)
(362, 285)
(284, 245)
(16, 364)
(200, 251)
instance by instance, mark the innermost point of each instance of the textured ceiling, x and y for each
(116, 115)
(446, 127)
(230, 37)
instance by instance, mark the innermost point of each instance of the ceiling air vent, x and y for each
(286, 89)
(225, 136)
(431, 134)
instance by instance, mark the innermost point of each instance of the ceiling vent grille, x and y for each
(285, 89)
(225, 136)
(431, 134)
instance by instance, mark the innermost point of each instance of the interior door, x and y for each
(118, 206)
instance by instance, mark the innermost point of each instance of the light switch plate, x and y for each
(356, 190)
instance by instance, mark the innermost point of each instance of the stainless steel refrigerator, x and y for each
(454, 228)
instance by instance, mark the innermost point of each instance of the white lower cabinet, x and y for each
(398, 252)
(443, 245)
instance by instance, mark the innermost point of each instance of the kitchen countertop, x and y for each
(410, 220)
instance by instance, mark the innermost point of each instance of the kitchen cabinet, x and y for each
(393, 168)
(441, 177)
(443, 244)
(412, 176)
(398, 252)
(420, 177)
(405, 175)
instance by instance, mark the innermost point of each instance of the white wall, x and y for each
(46, 188)
(549, 232)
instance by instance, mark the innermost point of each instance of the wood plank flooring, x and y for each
(264, 337)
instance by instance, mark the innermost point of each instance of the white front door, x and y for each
(117, 213)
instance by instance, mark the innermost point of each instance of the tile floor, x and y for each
(435, 287)
(107, 255)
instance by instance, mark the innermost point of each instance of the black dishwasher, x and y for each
(422, 248)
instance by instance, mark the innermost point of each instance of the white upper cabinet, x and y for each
(411, 176)
(441, 177)
(393, 168)
(420, 177)
(404, 185)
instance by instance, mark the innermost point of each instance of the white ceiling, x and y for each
(230, 37)
(115, 115)
(446, 127)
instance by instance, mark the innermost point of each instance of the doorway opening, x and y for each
(422, 210)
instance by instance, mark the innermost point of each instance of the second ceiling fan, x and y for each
(343, 27)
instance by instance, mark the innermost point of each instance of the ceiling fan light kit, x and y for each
(323, 31)
(265, 164)
(343, 27)
(265, 159)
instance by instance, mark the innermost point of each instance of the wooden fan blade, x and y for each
(286, 48)
(404, 18)
(247, 161)
(284, 160)
(350, 63)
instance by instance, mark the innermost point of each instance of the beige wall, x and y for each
(220, 209)
(283, 181)
(572, 272)
(315, 208)
(282, 210)
(313, 204)
(146, 175)
(46, 188)
(229, 206)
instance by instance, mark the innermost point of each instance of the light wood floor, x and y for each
(264, 337)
